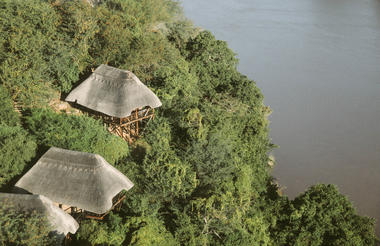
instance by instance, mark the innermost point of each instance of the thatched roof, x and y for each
(60, 222)
(77, 179)
(114, 92)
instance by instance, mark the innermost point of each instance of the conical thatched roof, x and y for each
(114, 92)
(60, 222)
(77, 179)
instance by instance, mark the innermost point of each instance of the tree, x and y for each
(151, 231)
(24, 70)
(17, 148)
(200, 169)
(214, 63)
(81, 133)
(323, 216)
(8, 115)
(24, 228)
(113, 231)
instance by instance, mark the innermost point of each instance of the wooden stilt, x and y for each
(128, 128)
(101, 217)
(67, 239)
(133, 121)
(147, 112)
(137, 125)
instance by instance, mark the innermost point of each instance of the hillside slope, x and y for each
(200, 169)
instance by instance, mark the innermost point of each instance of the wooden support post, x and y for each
(128, 128)
(147, 112)
(67, 239)
(94, 217)
(118, 202)
(133, 121)
(137, 124)
(101, 217)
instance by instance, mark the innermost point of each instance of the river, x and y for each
(317, 63)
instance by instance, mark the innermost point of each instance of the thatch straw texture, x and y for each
(114, 92)
(60, 222)
(76, 179)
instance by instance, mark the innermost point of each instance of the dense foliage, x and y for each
(17, 148)
(8, 115)
(323, 216)
(200, 169)
(25, 228)
(73, 132)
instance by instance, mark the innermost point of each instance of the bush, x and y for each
(24, 70)
(200, 168)
(214, 63)
(151, 232)
(81, 133)
(17, 148)
(109, 232)
(323, 216)
(7, 114)
(23, 228)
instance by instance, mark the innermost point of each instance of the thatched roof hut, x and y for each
(75, 179)
(60, 222)
(114, 92)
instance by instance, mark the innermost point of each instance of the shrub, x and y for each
(81, 133)
(323, 216)
(16, 149)
(24, 228)
(8, 115)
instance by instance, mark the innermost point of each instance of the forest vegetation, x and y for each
(200, 168)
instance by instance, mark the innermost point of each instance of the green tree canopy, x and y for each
(17, 148)
(24, 228)
(200, 168)
(323, 216)
(8, 115)
(74, 132)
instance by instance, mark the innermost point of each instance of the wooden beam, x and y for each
(94, 217)
(128, 128)
(147, 111)
(137, 125)
(133, 121)
(101, 217)
(118, 201)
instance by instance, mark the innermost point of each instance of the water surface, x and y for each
(317, 63)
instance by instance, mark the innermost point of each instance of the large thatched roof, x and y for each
(114, 92)
(77, 179)
(60, 222)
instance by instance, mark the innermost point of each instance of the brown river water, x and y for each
(317, 63)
